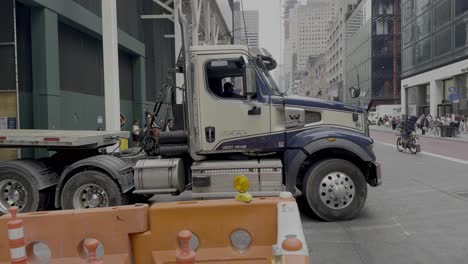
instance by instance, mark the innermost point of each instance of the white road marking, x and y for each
(353, 228)
(430, 154)
(401, 227)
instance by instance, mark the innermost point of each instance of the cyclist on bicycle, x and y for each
(407, 126)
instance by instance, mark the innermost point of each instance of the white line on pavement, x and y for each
(401, 227)
(430, 154)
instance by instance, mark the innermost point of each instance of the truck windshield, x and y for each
(275, 90)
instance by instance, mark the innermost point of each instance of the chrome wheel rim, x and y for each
(12, 193)
(337, 190)
(90, 196)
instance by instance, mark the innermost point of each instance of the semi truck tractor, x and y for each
(235, 121)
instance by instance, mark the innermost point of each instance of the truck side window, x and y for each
(226, 78)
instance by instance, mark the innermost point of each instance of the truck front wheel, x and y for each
(334, 190)
(91, 189)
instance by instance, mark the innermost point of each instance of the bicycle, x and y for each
(412, 143)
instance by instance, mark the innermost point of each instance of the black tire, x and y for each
(399, 145)
(413, 148)
(311, 190)
(105, 182)
(35, 200)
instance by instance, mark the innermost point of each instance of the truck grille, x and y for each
(312, 117)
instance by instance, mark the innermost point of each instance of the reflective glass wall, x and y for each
(370, 53)
(434, 33)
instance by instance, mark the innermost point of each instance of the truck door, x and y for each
(229, 121)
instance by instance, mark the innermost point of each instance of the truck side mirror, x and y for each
(250, 80)
(355, 92)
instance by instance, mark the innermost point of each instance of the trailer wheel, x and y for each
(91, 189)
(334, 190)
(17, 190)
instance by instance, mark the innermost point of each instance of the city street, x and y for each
(418, 215)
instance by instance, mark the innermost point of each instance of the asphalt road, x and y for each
(418, 215)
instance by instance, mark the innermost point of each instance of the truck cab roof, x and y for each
(255, 51)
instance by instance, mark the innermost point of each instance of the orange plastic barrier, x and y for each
(221, 227)
(61, 235)
(217, 231)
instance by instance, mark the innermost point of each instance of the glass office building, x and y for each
(370, 51)
(435, 56)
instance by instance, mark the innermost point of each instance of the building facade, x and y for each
(313, 83)
(51, 62)
(372, 56)
(312, 30)
(237, 23)
(435, 57)
(335, 54)
(251, 35)
(306, 33)
(289, 18)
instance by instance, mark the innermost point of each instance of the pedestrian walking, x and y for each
(136, 132)
(462, 124)
(424, 124)
(394, 123)
(437, 124)
(448, 120)
(465, 124)
(418, 123)
(387, 124)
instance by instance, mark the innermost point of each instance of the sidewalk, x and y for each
(463, 137)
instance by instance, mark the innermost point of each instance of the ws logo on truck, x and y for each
(294, 117)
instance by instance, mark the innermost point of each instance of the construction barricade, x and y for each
(264, 230)
(223, 231)
(60, 236)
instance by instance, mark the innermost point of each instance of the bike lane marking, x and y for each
(429, 154)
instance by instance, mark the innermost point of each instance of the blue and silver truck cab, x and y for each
(236, 121)
(237, 113)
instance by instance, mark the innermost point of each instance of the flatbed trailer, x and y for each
(30, 184)
(34, 138)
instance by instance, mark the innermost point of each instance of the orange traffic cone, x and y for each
(16, 238)
(185, 255)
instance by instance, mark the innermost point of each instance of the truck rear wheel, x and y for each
(17, 190)
(334, 190)
(91, 189)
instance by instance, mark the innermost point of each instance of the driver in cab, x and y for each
(228, 91)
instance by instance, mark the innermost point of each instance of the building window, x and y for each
(421, 5)
(422, 27)
(442, 13)
(407, 58)
(383, 27)
(422, 51)
(461, 35)
(442, 42)
(408, 35)
(407, 12)
(385, 7)
(461, 6)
